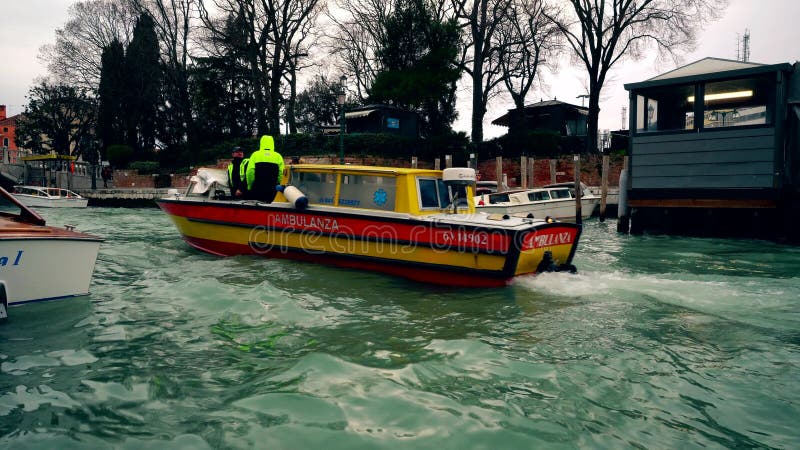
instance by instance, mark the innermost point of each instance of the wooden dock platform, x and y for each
(123, 197)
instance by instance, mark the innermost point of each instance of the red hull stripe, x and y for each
(427, 273)
(468, 237)
(370, 237)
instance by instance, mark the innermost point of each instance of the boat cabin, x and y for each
(531, 195)
(45, 192)
(414, 191)
(400, 190)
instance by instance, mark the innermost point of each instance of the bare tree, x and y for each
(92, 25)
(602, 32)
(291, 23)
(358, 27)
(276, 36)
(527, 41)
(480, 59)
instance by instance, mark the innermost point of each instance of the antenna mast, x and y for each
(743, 46)
(746, 46)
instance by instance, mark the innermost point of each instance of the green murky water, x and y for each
(658, 342)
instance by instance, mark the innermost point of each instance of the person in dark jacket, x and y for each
(264, 171)
(235, 182)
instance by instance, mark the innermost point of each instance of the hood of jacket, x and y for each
(267, 143)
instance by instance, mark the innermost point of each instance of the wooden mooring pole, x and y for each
(578, 214)
(532, 172)
(499, 173)
(604, 189)
(623, 224)
(523, 172)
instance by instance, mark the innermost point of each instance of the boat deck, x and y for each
(13, 229)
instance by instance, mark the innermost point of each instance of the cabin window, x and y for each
(319, 188)
(432, 193)
(560, 193)
(538, 196)
(366, 191)
(735, 103)
(665, 109)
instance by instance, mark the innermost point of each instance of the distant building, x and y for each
(8, 129)
(553, 115)
(380, 118)
(714, 150)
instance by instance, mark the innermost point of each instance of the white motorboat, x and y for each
(555, 200)
(40, 262)
(38, 197)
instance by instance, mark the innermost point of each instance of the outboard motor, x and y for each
(458, 177)
(548, 265)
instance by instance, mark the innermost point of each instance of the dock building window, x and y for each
(736, 103)
(665, 109)
(724, 104)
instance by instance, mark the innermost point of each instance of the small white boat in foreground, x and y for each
(38, 197)
(40, 262)
(555, 200)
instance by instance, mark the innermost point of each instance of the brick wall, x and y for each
(591, 168)
(131, 179)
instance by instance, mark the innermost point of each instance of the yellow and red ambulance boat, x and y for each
(415, 223)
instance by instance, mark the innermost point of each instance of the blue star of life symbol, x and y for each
(380, 197)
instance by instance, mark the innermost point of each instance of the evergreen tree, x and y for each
(143, 80)
(111, 112)
(418, 56)
(57, 118)
(220, 86)
(317, 105)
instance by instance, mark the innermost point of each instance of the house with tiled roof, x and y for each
(554, 115)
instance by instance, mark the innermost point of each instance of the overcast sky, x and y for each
(26, 25)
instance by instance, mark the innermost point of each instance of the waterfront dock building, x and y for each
(714, 150)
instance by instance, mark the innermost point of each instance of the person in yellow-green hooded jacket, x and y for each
(264, 171)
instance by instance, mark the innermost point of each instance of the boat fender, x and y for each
(530, 216)
(549, 219)
(295, 196)
(506, 217)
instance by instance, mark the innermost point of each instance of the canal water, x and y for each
(657, 342)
